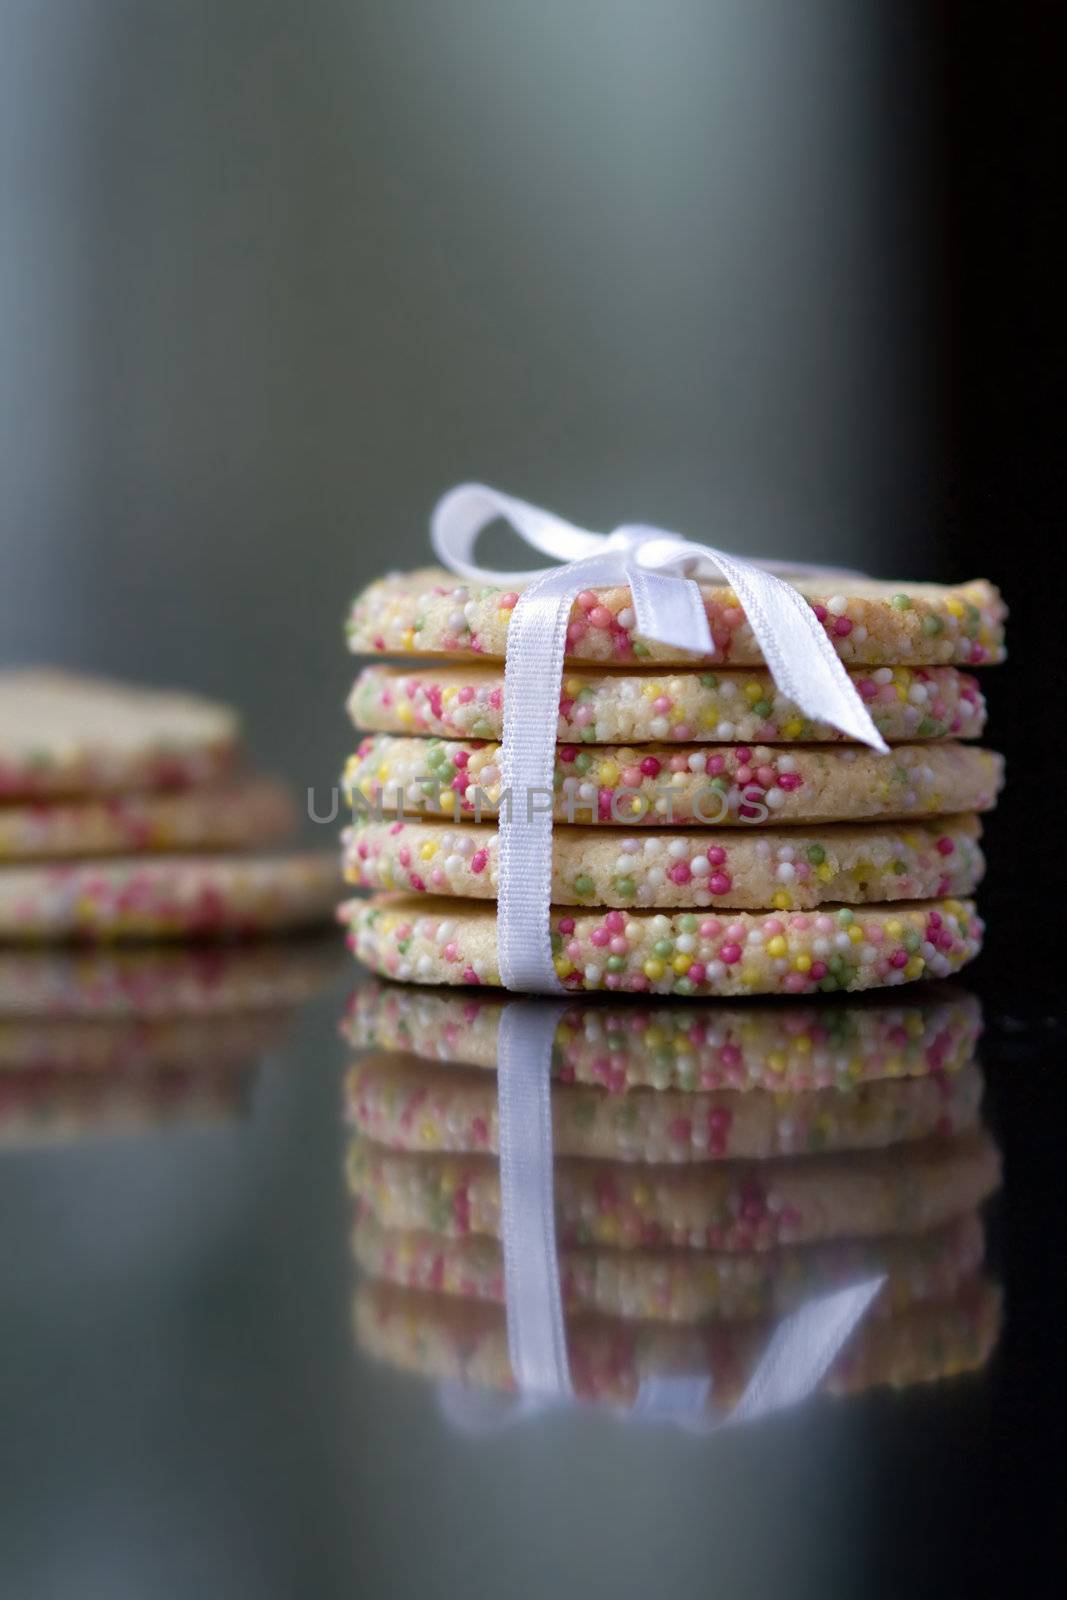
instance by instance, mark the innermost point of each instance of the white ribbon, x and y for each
(798, 1356)
(659, 567)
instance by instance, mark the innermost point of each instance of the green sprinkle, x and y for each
(583, 884)
(902, 602)
(932, 626)
(684, 986)
(912, 941)
(845, 917)
(583, 761)
(626, 887)
(663, 947)
(482, 730)
(616, 963)
(927, 728)
(708, 680)
(816, 854)
(762, 709)
(688, 923)
(640, 649)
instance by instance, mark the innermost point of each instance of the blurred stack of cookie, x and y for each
(125, 815)
(714, 1170)
(709, 838)
(123, 1041)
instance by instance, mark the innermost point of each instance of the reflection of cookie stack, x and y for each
(118, 1042)
(713, 1172)
(708, 839)
(123, 816)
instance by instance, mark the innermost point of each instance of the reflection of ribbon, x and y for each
(798, 1355)
(659, 568)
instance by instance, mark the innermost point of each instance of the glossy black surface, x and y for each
(183, 1409)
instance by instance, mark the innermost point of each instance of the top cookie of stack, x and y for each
(714, 838)
(100, 785)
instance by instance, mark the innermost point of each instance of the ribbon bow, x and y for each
(659, 568)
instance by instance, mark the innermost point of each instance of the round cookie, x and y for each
(169, 981)
(623, 786)
(795, 869)
(64, 734)
(732, 1206)
(867, 621)
(408, 1104)
(39, 1108)
(686, 1285)
(152, 1044)
(228, 817)
(166, 897)
(641, 952)
(621, 1045)
(465, 1342)
(726, 706)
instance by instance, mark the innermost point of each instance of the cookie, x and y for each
(127, 1045)
(407, 1104)
(686, 1285)
(727, 706)
(728, 1205)
(867, 621)
(231, 816)
(465, 1342)
(45, 1108)
(622, 1044)
(64, 734)
(166, 897)
(786, 869)
(623, 786)
(752, 952)
(169, 981)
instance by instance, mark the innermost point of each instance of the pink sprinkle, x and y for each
(600, 617)
(899, 958)
(451, 952)
(789, 780)
(719, 883)
(509, 601)
(682, 731)
(714, 765)
(461, 758)
(650, 767)
(466, 695)
(710, 928)
(566, 925)
(470, 976)
(945, 846)
(818, 970)
(575, 633)
(716, 855)
(615, 922)
(662, 704)
(766, 776)
(730, 953)
(697, 972)
(567, 753)
(496, 699)
(600, 936)
(619, 947)
(820, 612)
(772, 926)
(843, 627)
(680, 873)
(583, 716)
(479, 860)
(794, 982)
(587, 600)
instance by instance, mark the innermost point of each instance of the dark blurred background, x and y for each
(272, 275)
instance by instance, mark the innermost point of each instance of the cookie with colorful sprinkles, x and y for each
(166, 897)
(464, 1341)
(683, 953)
(686, 1285)
(711, 1205)
(624, 786)
(407, 1104)
(628, 1044)
(788, 869)
(65, 734)
(868, 622)
(725, 706)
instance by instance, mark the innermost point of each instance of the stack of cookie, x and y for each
(709, 838)
(124, 815)
(714, 1170)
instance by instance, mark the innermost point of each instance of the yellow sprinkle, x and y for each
(824, 872)
(915, 967)
(608, 774)
(709, 719)
(803, 1045)
(793, 728)
(753, 692)
(802, 964)
(650, 690)
(653, 969)
(681, 965)
(894, 928)
(404, 712)
(856, 933)
(428, 850)
(407, 638)
(776, 1061)
(563, 967)
(781, 900)
(447, 800)
(750, 976)
(954, 608)
(450, 694)
(777, 946)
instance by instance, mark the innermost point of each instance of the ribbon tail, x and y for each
(802, 660)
